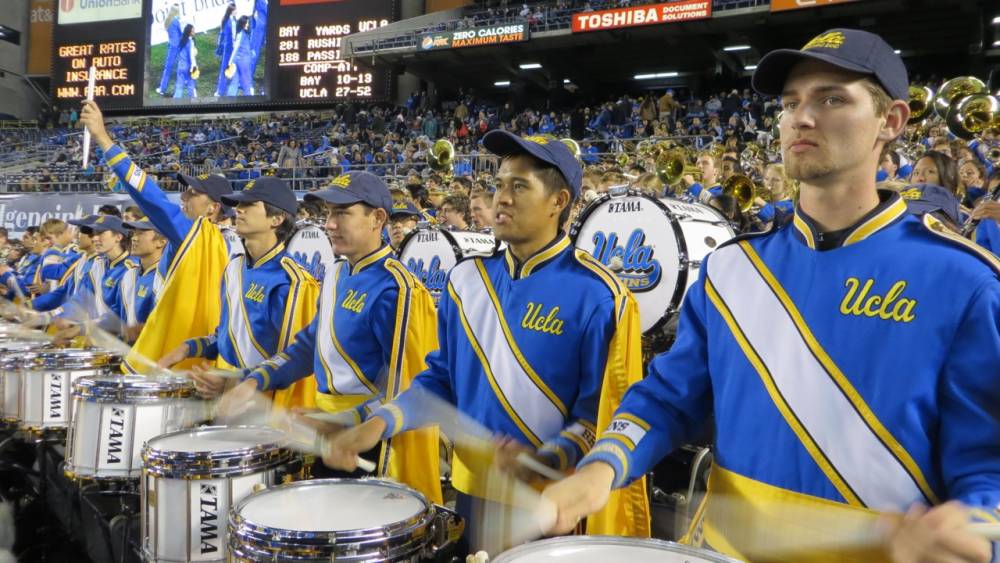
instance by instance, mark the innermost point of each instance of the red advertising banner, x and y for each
(650, 14)
(783, 5)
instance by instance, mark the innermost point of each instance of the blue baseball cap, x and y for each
(268, 189)
(849, 49)
(212, 185)
(403, 209)
(929, 198)
(355, 187)
(550, 151)
(143, 224)
(86, 221)
(109, 223)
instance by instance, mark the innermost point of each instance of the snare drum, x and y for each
(430, 252)
(311, 248)
(46, 379)
(191, 478)
(114, 415)
(655, 246)
(10, 377)
(599, 549)
(350, 520)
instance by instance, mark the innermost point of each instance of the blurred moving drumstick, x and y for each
(91, 79)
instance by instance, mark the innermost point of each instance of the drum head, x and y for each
(333, 505)
(598, 549)
(429, 254)
(219, 439)
(636, 234)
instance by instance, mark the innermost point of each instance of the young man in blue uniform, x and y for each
(266, 295)
(529, 337)
(83, 266)
(141, 285)
(375, 325)
(846, 387)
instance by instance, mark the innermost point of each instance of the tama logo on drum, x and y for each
(116, 430)
(638, 270)
(432, 276)
(55, 396)
(208, 503)
(628, 206)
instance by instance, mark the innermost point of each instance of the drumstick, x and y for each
(986, 530)
(538, 467)
(91, 78)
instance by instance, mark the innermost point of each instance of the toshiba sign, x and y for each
(651, 14)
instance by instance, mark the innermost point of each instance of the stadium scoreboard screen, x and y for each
(226, 53)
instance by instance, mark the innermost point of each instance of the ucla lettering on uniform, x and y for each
(432, 276)
(640, 271)
(143, 291)
(890, 307)
(549, 324)
(354, 301)
(256, 293)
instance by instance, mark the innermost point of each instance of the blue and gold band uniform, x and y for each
(524, 350)
(258, 301)
(869, 366)
(67, 285)
(102, 301)
(375, 325)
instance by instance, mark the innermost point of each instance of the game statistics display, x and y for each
(230, 54)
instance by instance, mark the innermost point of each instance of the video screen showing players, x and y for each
(206, 52)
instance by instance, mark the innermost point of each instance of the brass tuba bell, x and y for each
(744, 190)
(441, 155)
(973, 115)
(671, 167)
(956, 89)
(921, 101)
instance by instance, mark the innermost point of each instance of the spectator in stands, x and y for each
(936, 168)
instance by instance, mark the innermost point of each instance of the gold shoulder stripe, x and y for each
(938, 228)
(294, 268)
(609, 278)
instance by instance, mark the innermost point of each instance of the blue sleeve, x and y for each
(291, 364)
(165, 215)
(766, 213)
(676, 394)
(987, 235)
(52, 299)
(695, 189)
(576, 438)
(969, 395)
(206, 347)
(406, 411)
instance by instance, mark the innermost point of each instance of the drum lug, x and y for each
(618, 191)
(696, 264)
(448, 527)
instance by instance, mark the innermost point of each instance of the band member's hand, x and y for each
(579, 495)
(688, 180)
(234, 402)
(61, 324)
(341, 449)
(505, 458)
(230, 71)
(132, 333)
(64, 336)
(39, 288)
(208, 386)
(937, 534)
(92, 119)
(174, 357)
(987, 210)
(4, 268)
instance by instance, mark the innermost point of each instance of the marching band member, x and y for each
(481, 207)
(402, 221)
(779, 185)
(193, 264)
(266, 295)
(141, 285)
(709, 186)
(82, 267)
(102, 303)
(60, 238)
(527, 338)
(830, 337)
(454, 212)
(374, 328)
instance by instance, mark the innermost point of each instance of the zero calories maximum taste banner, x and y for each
(650, 14)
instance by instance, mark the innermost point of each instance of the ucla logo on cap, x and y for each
(537, 139)
(911, 193)
(203, 176)
(830, 40)
(341, 181)
(249, 185)
(100, 219)
(399, 205)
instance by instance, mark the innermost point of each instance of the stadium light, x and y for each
(653, 75)
(530, 66)
(897, 51)
(750, 67)
(502, 83)
(735, 48)
(996, 20)
(565, 80)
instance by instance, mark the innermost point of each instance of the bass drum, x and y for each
(311, 248)
(430, 252)
(655, 246)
